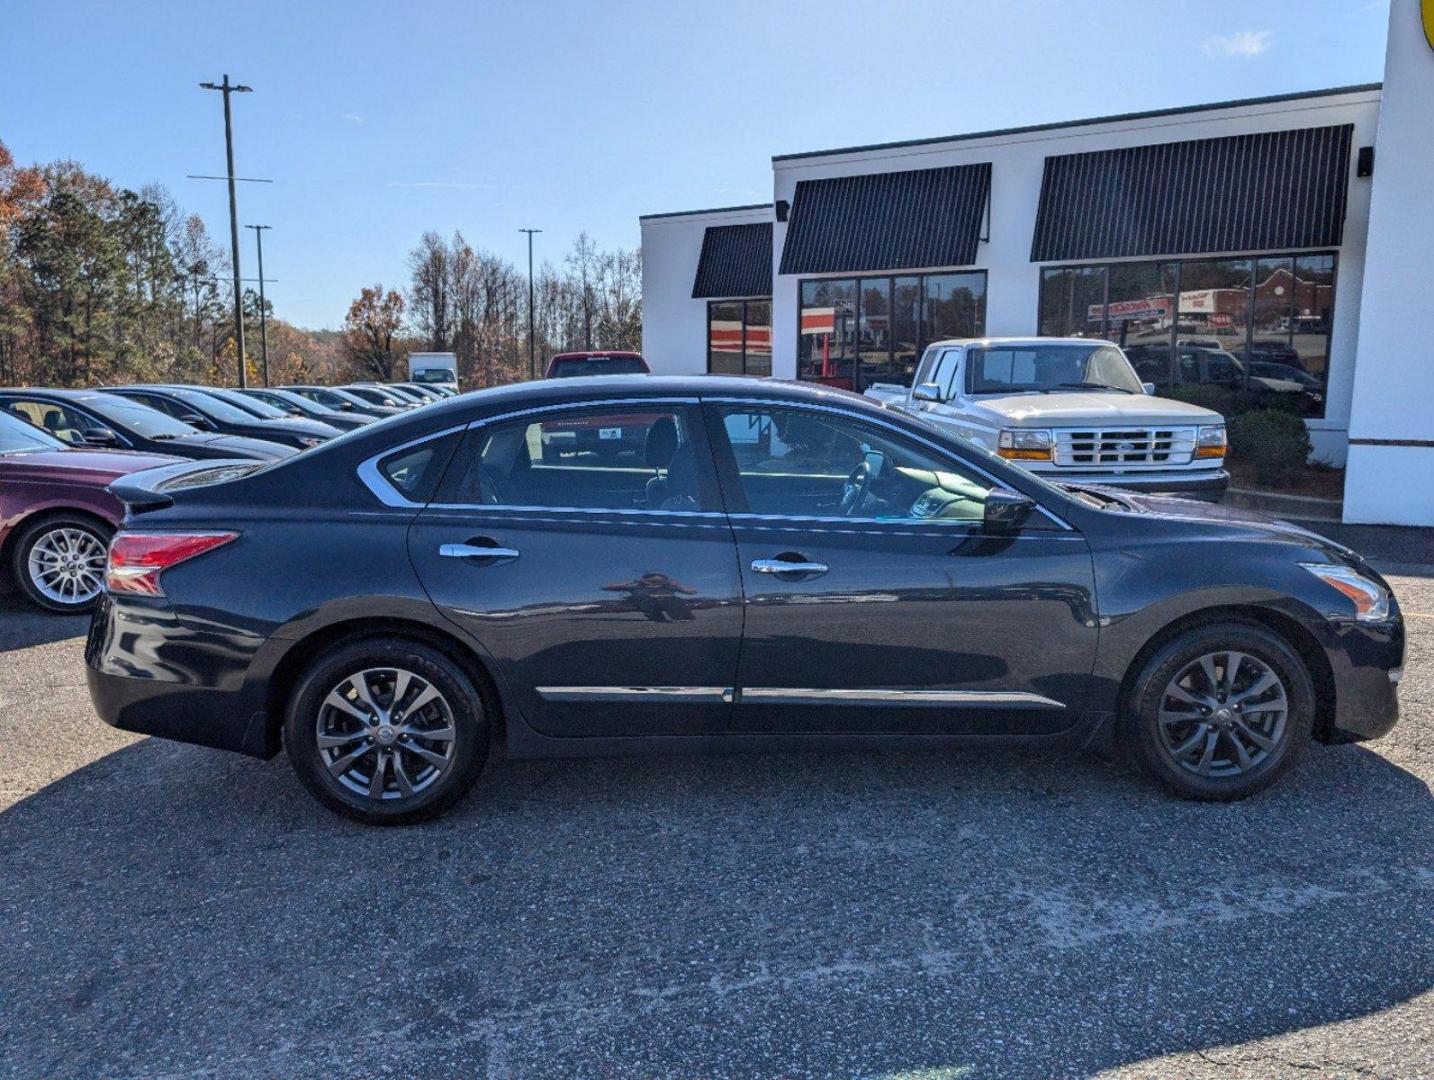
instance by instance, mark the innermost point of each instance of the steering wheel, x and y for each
(855, 489)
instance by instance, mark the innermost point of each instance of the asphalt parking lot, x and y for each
(167, 911)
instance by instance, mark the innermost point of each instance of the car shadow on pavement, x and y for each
(993, 914)
(22, 625)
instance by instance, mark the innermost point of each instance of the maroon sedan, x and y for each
(56, 517)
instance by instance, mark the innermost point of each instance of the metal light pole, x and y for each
(227, 88)
(532, 356)
(263, 311)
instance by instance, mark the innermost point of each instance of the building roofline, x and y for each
(711, 210)
(1118, 118)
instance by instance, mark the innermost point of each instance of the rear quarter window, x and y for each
(414, 472)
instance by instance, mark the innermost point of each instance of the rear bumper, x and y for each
(152, 675)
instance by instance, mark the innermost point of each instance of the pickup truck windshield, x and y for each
(1005, 369)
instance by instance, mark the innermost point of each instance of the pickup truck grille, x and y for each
(1151, 448)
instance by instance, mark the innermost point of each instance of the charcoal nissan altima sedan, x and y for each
(770, 564)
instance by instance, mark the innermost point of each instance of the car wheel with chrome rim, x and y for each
(1221, 711)
(59, 562)
(387, 731)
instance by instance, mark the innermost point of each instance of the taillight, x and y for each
(137, 559)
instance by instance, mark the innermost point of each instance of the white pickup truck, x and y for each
(1069, 409)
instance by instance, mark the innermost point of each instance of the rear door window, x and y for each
(630, 457)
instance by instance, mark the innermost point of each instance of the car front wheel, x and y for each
(59, 562)
(387, 731)
(1220, 712)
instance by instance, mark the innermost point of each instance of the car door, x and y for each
(603, 585)
(876, 601)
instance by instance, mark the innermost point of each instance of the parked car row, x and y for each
(61, 448)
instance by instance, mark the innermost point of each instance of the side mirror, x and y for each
(203, 423)
(1006, 510)
(1148, 387)
(927, 391)
(100, 436)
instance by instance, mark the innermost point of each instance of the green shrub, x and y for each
(1274, 443)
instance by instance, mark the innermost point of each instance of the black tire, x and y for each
(31, 535)
(308, 717)
(1141, 726)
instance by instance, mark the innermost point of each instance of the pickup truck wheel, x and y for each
(59, 562)
(1220, 712)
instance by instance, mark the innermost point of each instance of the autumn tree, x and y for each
(371, 331)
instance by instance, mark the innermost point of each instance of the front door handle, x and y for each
(476, 551)
(782, 566)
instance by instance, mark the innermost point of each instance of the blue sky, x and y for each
(380, 120)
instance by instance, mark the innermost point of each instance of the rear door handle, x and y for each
(781, 566)
(476, 551)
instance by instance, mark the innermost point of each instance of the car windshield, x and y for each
(598, 365)
(372, 395)
(21, 437)
(288, 399)
(249, 404)
(1004, 369)
(433, 375)
(137, 417)
(209, 405)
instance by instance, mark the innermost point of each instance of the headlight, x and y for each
(1022, 444)
(1210, 441)
(1371, 601)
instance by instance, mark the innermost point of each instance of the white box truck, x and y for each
(434, 369)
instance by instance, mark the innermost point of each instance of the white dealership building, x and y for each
(1283, 243)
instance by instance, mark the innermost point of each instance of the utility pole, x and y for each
(227, 88)
(532, 356)
(263, 311)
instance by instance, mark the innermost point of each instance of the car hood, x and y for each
(1090, 407)
(242, 446)
(96, 467)
(297, 426)
(1192, 510)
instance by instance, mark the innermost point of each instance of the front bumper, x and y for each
(1366, 660)
(1206, 483)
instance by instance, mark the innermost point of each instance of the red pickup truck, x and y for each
(615, 434)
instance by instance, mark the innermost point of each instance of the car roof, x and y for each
(987, 342)
(596, 354)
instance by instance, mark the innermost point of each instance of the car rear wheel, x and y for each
(59, 562)
(1220, 712)
(387, 731)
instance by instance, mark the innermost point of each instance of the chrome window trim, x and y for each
(390, 496)
(785, 695)
(879, 422)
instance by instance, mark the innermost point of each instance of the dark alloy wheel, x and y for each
(387, 731)
(1221, 711)
(59, 562)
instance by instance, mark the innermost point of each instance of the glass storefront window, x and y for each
(857, 331)
(739, 337)
(826, 345)
(1257, 325)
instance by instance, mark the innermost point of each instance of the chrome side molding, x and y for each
(785, 695)
(1006, 699)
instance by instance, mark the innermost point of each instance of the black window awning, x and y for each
(888, 221)
(736, 261)
(1257, 192)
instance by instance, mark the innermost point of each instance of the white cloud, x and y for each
(1243, 44)
(355, 118)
